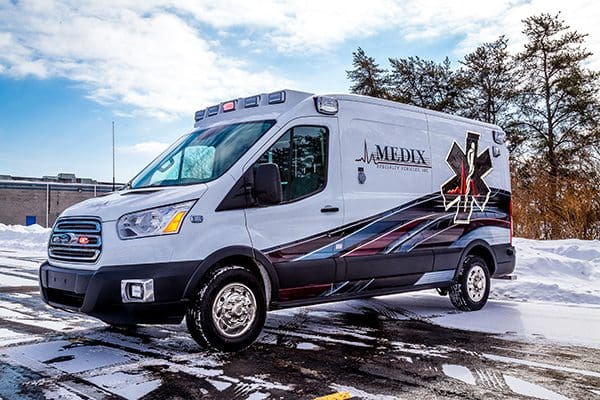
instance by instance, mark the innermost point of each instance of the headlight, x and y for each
(164, 220)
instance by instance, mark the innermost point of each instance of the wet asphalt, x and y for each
(373, 349)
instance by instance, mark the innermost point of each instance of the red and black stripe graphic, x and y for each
(423, 223)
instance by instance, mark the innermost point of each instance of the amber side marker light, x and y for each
(173, 226)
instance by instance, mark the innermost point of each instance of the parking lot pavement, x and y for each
(374, 349)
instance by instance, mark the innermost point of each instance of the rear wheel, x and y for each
(229, 310)
(471, 291)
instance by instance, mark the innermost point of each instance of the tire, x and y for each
(228, 311)
(471, 291)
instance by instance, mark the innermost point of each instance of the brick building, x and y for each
(27, 201)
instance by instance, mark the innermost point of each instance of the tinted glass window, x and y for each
(301, 155)
(202, 155)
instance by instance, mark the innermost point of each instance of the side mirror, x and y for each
(267, 185)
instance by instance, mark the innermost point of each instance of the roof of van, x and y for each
(272, 105)
(394, 104)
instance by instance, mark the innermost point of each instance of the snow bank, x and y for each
(18, 237)
(563, 271)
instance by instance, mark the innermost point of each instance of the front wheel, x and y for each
(471, 291)
(228, 311)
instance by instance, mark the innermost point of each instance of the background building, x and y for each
(27, 201)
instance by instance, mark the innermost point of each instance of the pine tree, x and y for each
(423, 83)
(368, 79)
(487, 83)
(559, 113)
(559, 104)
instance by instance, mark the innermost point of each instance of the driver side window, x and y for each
(301, 155)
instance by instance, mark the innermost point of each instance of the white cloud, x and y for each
(18, 59)
(321, 26)
(144, 149)
(150, 59)
(313, 26)
(171, 57)
(481, 22)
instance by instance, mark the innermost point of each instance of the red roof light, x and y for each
(229, 106)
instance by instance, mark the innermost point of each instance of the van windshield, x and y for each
(202, 155)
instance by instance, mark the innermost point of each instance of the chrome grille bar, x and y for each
(77, 240)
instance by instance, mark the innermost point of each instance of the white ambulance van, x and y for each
(288, 199)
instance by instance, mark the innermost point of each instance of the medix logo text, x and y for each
(393, 155)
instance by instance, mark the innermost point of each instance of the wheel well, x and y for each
(487, 256)
(252, 265)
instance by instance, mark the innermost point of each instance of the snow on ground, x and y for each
(22, 250)
(561, 323)
(32, 238)
(558, 271)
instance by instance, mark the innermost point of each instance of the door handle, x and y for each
(329, 209)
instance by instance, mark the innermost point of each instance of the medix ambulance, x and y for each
(288, 199)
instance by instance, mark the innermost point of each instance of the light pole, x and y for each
(113, 154)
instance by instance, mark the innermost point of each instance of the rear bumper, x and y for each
(98, 293)
(506, 258)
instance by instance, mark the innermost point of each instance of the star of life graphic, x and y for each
(467, 188)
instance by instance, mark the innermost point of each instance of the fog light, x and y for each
(137, 290)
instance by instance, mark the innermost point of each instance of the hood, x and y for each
(111, 207)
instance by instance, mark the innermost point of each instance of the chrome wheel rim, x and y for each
(234, 310)
(476, 284)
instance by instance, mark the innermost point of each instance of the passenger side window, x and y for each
(198, 162)
(169, 169)
(301, 155)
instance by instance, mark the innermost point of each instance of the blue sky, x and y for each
(68, 69)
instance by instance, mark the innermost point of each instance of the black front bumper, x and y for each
(98, 293)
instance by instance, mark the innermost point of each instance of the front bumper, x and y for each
(98, 293)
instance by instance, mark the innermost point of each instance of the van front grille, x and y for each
(76, 240)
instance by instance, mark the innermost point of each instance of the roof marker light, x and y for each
(199, 116)
(210, 111)
(499, 136)
(229, 106)
(326, 105)
(276, 97)
(251, 101)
